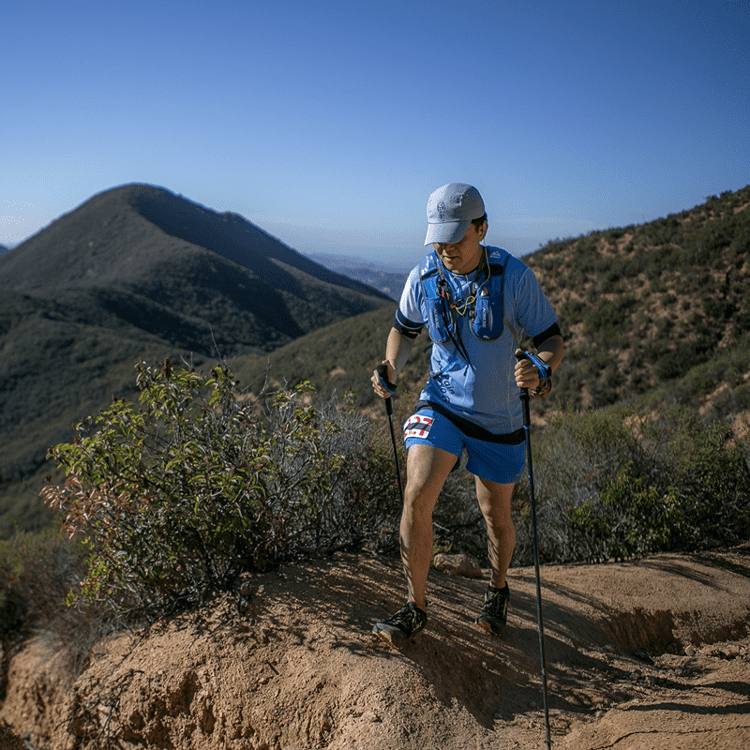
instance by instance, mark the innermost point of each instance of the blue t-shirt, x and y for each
(482, 390)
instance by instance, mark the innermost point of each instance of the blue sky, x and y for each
(328, 124)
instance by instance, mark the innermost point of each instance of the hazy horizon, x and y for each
(385, 259)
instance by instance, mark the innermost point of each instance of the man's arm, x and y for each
(551, 351)
(397, 351)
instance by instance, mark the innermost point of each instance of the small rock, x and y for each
(458, 565)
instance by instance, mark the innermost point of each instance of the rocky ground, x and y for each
(647, 654)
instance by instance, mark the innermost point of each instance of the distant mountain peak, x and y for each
(183, 272)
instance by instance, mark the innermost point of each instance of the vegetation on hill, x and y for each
(170, 268)
(641, 306)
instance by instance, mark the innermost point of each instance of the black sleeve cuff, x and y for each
(540, 338)
(407, 328)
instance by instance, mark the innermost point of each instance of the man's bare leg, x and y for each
(427, 469)
(494, 502)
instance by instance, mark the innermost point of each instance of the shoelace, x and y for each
(407, 617)
(495, 605)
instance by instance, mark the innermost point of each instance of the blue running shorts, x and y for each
(495, 462)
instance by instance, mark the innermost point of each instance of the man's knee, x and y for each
(427, 469)
(420, 497)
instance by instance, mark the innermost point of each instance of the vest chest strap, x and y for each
(488, 314)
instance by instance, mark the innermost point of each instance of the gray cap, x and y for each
(450, 210)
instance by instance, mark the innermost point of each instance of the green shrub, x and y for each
(609, 316)
(573, 311)
(710, 471)
(177, 497)
(573, 460)
(683, 358)
(628, 518)
(720, 309)
(617, 482)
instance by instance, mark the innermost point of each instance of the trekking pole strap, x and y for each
(544, 370)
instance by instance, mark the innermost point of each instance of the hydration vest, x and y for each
(487, 314)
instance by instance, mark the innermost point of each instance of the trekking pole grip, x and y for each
(525, 398)
(382, 371)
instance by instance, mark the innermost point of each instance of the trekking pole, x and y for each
(382, 371)
(526, 428)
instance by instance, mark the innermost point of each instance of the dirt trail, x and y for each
(646, 654)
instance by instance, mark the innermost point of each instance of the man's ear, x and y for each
(483, 231)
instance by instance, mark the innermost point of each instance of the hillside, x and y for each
(652, 312)
(651, 653)
(137, 272)
(660, 310)
(642, 306)
(190, 276)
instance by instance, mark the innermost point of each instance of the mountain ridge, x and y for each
(228, 283)
(228, 235)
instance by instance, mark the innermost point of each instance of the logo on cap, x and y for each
(441, 211)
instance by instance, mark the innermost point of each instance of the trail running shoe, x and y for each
(403, 626)
(494, 613)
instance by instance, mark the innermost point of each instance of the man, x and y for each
(477, 303)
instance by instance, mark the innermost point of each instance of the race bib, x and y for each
(418, 426)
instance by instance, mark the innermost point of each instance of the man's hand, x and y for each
(535, 376)
(377, 383)
(527, 376)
